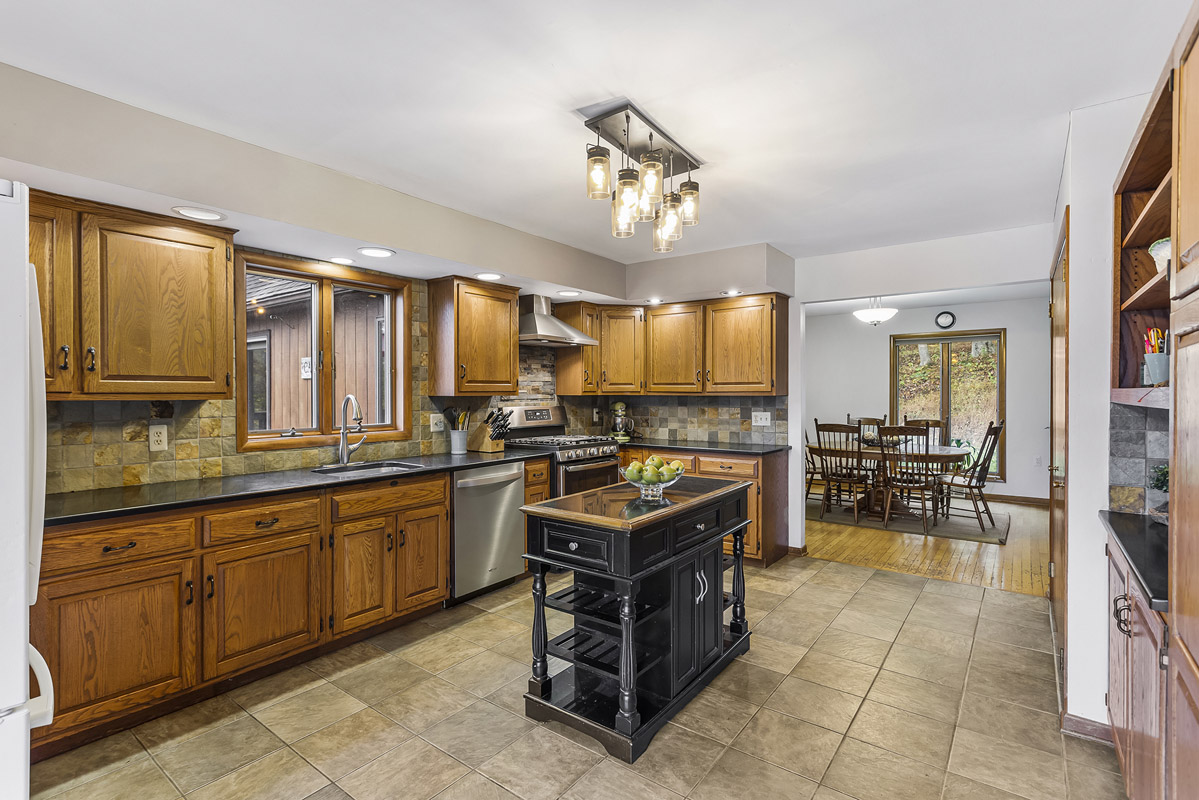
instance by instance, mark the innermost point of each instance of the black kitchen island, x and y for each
(648, 604)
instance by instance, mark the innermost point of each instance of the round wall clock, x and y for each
(945, 320)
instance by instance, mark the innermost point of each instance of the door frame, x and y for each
(1058, 584)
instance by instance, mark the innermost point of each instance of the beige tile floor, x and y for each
(859, 684)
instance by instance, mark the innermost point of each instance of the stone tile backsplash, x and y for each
(1140, 441)
(707, 420)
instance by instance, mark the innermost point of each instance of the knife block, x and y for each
(479, 441)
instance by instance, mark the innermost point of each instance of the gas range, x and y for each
(569, 448)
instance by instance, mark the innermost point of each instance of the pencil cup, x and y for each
(1158, 367)
(458, 442)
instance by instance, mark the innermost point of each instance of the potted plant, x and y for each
(1160, 480)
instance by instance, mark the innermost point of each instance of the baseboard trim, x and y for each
(1019, 500)
(798, 551)
(1086, 728)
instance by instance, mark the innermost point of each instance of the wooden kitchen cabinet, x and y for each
(363, 572)
(473, 338)
(52, 248)
(1118, 651)
(578, 368)
(674, 348)
(119, 639)
(261, 601)
(745, 345)
(622, 350)
(537, 480)
(1185, 277)
(422, 557)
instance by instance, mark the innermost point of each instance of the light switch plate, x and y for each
(595, 415)
(158, 438)
(761, 419)
(436, 423)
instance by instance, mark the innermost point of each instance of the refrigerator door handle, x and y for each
(41, 708)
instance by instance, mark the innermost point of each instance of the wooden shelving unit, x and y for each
(1154, 294)
(1153, 223)
(1144, 397)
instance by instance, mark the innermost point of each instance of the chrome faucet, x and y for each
(344, 448)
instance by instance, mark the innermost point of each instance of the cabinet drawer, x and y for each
(389, 497)
(537, 472)
(729, 465)
(696, 526)
(667, 456)
(248, 523)
(132, 542)
(576, 546)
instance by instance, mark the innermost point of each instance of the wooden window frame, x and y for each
(327, 276)
(944, 339)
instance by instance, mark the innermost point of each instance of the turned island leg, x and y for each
(737, 625)
(539, 684)
(628, 720)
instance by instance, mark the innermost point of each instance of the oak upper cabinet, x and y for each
(52, 231)
(422, 557)
(674, 348)
(578, 368)
(261, 601)
(745, 345)
(118, 639)
(473, 338)
(622, 348)
(363, 572)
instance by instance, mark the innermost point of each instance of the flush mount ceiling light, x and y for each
(489, 276)
(875, 312)
(653, 301)
(376, 252)
(345, 262)
(644, 189)
(731, 293)
(205, 214)
(569, 293)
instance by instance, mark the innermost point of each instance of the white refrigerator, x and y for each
(22, 491)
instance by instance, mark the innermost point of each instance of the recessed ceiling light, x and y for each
(343, 261)
(653, 301)
(489, 276)
(206, 214)
(376, 252)
(731, 293)
(569, 293)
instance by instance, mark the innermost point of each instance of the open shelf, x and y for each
(726, 562)
(1145, 397)
(1153, 295)
(599, 652)
(596, 604)
(1153, 223)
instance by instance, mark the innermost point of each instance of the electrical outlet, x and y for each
(436, 423)
(595, 415)
(158, 438)
(761, 419)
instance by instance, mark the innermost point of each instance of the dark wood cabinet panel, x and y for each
(684, 647)
(363, 572)
(1147, 682)
(674, 348)
(423, 557)
(52, 236)
(1182, 742)
(1117, 653)
(710, 614)
(622, 349)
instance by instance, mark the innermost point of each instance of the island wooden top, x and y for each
(619, 506)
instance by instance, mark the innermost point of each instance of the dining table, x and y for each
(872, 501)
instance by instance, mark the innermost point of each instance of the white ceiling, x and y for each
(825, 126)
(953, 297)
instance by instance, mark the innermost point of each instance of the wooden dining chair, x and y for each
(936, 429)
(870, 425)
(970, 481)
(907, 469)
(810, 467)
(840, 448)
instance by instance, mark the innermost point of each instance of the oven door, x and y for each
(581, 476)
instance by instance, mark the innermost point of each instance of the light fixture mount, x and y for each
(609, 125)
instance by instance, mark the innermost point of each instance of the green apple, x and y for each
(677, 466)
(650, 475)
(633, 472)
(636, 464)
(655, 461)
(667, 474)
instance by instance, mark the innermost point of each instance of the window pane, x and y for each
(280, 343)
(918, 380)
(362, 344)
(974, 391)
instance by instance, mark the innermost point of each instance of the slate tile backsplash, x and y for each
(1140, 441)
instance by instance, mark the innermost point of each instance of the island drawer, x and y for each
(572, 545)
(130, 542)
(696, 526)
(728, 466)
(248, 523)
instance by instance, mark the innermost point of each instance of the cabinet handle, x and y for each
(108, 548)
(699, 594)
(91, 351)
(725, 466)
(390, 542)
(708, 374)
(191, 593)
(699, 526)
(211, 586)
(403, 537)
(697, 373)
(66, 350)
(265, 523)
(586, 375)
(461, 370)
(572, 546)
(1119, 613)
(604, 375)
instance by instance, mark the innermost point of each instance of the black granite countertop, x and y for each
(717, 447)
(1145, 545)
(95, 504)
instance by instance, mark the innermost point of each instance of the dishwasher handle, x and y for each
(467, 483)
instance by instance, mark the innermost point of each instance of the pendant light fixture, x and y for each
(651, 172)
(875, 313)
(670, 213)
(623, 218)
(689, 190)
(599, 171)
(661, 243)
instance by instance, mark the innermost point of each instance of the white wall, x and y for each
(1099, 139)
(847, 370)
(751, 268)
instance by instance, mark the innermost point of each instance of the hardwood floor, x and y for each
(1021, 565)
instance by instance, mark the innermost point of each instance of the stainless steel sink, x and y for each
(367, 469)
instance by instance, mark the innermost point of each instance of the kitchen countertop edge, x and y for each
(1144, 544)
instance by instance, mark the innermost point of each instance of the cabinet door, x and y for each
(155, 309)
(710, 612)
(674, 352)
(422, 557)
(589, 317)
(1185, 278)
(621, 350)
(535, 494)
(118, 639)
(486, 329)
(52, 253)
(261, 601)
(630, 454)
(1148, 688)
(684, 644)
(363, 572)
(1117, 660)
(739, 351)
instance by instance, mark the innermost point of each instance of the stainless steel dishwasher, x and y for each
(489, 530)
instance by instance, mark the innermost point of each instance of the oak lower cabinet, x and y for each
(422, 557)
(119, 639)
(363, 572)
(473, 338)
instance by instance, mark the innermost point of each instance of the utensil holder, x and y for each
(458, 442)
(1158, 367)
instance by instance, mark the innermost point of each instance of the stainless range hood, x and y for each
(539, 327)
